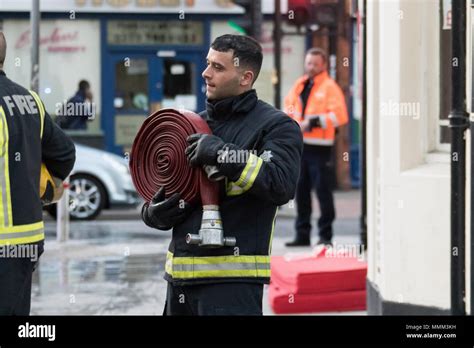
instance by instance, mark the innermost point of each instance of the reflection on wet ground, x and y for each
(116, 268)
(104, 232)
(133, 268)
(105, 268)
(97, 285)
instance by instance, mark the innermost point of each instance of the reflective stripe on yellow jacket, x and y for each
(326, 100)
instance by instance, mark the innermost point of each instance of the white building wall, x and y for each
(408, 192)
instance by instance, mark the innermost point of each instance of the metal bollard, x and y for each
(62, 223)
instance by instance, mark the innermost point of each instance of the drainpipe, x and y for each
(363, 134)
(472, 200)
(458, 122)
(277, 38)
(34, 24)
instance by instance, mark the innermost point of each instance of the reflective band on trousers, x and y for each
(246, 266)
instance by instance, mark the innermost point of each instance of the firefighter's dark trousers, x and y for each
(16, 270)
(214, 299)
(316, 174)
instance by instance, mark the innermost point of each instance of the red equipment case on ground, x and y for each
(320, 282)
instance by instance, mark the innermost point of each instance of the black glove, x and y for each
(203, 149)
(163, 213)
(314, 122)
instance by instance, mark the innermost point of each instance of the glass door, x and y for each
(141, 84)
(181, 82)
(133, 95)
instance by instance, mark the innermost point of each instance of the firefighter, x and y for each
(28, 138)
(229, 280)
(317, 103)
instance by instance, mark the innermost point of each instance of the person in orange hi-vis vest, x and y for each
(317, 103)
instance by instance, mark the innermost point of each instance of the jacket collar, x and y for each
(318, 79)
(223, 109)
(2, 73)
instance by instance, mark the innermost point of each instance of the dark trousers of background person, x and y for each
(316, 174)
(237, 298)
(15, 282)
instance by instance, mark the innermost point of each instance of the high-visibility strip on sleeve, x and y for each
(295, 114)
(247, 178)
(250, 172)
(233, 190)
(333, 118)
(318, 141)
(6, 218)
(271, 233)
(41, 110)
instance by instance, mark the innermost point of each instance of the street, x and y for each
(361, 111)
(115, 266)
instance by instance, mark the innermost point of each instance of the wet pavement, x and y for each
(116, 267)
(107, 267)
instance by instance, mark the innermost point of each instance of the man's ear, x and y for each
(247, 78)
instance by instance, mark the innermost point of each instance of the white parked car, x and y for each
(99, 180)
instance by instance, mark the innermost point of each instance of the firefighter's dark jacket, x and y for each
(257, 182)
(28, 136)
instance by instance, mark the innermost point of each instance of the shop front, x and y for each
(148, 65)
(138, 56)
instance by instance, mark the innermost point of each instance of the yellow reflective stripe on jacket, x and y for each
(169, 263)
(10, 234)
(271, 233)
(41, 110)
(250, 266)
(247, 178)
(22, 234)
(5, 196)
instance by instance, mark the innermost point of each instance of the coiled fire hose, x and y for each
(157, 159)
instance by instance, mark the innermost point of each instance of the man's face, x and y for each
(88, 93)
(222, 76)
(314, 65)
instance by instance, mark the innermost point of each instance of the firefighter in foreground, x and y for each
(28, 138)
(229, 280)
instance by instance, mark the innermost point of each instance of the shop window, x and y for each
(131, 94)
(179, 90)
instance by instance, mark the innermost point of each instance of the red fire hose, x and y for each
(157, 158)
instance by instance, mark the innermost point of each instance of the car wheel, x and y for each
(85, 206)
(87, 197)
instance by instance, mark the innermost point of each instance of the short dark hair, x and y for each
(316, 51)
(83, 85)
(246, 49)
(3, 48)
